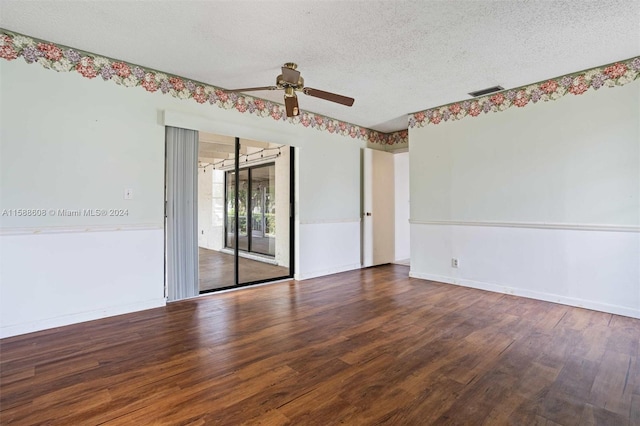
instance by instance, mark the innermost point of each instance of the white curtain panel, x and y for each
(182, 213)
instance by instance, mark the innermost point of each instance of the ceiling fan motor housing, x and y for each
(281, 83)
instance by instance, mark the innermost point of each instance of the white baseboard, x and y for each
(14, 330)
(548, 297)
(323, 272)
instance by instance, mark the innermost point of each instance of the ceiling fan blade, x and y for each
(290, 76)
(252, 89)
(344, 100)
(291, 105)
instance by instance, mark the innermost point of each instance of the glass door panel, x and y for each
(230, 193)
(230, 221)
(268, 256)
(243, 211)
(215, 229)
(263, 210)
(255, 215)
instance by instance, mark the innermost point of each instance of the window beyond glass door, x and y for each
(263, 210)
(256, 210)
(243, 211)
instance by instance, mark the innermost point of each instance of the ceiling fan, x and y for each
(291, 82)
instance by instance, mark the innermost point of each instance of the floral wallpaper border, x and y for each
(64, 59)
(617, 74)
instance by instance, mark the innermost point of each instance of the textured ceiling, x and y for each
(393, 57)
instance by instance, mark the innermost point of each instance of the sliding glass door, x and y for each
(257, 210)
(247, 237)
(263, 210)
(242, 231)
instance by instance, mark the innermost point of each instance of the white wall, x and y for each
(282, 181)
(217, 238)
(210, 208)
(541, 201)
(69, 142)
(205, 207)
(51, 280)
(401, 191)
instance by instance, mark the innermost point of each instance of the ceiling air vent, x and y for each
(486, 91)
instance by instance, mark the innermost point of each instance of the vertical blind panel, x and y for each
(182, 213)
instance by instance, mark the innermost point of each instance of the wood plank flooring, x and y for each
(216, 270)
(363, 347)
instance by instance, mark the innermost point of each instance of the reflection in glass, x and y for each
(263, 210)
(242, 210)
(257, 214)
(267, 255)
(264, 217)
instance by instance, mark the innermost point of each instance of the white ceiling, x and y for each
(393, 57)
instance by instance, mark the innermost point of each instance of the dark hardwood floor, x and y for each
(363, 347)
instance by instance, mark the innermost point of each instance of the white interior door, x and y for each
(378, 239)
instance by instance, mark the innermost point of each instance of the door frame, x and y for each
(378, 208)
(208, 124)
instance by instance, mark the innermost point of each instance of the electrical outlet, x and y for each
(455, 263)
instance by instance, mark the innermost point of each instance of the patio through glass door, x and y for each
(257, 210)
(245, 205)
